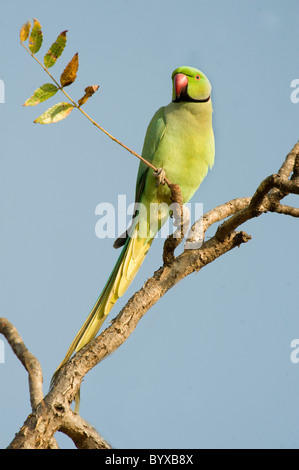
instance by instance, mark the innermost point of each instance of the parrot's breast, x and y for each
(187, 148)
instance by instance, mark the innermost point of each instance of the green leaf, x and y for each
(41, 94)
(69, 74)
(55, 50)
(56, 113)
(36, 37)
(25, 30)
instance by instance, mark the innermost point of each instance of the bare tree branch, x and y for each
(199, 228)
(289, 164)
(283, 209)
(29, 361)
(53, 413)
(82, 434)
(260, 203)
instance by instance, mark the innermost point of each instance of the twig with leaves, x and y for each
(61, 110)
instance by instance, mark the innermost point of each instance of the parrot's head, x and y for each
(190, 84)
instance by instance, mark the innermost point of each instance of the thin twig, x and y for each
(176, 197)
(90, 118)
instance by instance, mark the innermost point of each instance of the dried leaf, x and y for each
(55, 50)
(41, 94)
(69, 74)
(56, 113)
(89, 91)
(25, 30)
(36, 37)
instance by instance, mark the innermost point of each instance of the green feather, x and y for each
(180, 140)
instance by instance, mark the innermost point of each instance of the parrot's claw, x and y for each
(160, 175)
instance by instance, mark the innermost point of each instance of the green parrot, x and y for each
(180, 141)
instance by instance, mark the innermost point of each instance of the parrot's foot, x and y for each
(160, 175)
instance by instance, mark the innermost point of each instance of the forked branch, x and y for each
(53, 413)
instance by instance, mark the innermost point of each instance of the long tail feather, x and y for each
(126, 267)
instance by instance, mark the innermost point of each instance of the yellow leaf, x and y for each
(25, 30)
(69, 74)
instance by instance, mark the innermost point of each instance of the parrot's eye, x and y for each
(197, 77)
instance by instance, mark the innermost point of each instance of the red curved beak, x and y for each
(180, 83)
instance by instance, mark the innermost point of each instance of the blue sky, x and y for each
(209, 365)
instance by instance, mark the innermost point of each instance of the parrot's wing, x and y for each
(153, 136)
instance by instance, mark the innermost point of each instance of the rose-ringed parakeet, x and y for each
(179, 140)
